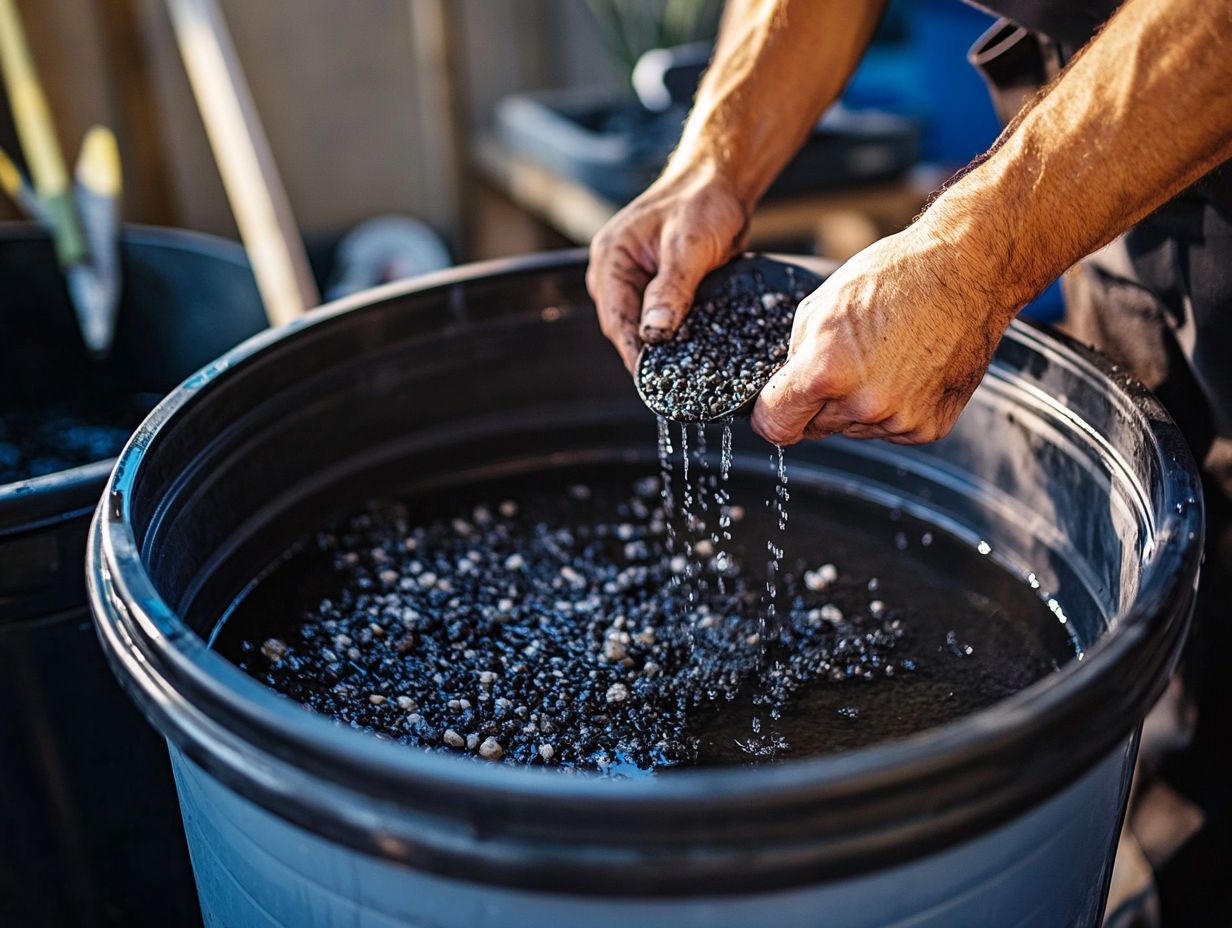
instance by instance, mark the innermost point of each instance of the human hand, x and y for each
(892, 345)
(646, 263)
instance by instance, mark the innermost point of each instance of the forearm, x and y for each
(778, 65)
(1143, 112)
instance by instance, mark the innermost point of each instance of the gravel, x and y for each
(728, 348)
(533, 642)
(34, 443)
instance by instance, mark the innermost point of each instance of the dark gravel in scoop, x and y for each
(575, 643)
(727, 349)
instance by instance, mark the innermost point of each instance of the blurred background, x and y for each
(504, 126)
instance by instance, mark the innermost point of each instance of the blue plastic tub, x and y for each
(1005, 818)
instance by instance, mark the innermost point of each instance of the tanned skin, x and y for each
(893, 344)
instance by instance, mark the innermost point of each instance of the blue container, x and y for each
(922, 71)
(1008, 817)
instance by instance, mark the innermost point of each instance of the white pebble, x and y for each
(274, 649)
(406, 703)
(617, 692)
(376, 699)
(876, 608)
(547, 752)
(453, 739)
(491, 749)
(614, 646)
(508, 509)
(514, 562)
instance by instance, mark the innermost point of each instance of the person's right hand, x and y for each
(646, 263)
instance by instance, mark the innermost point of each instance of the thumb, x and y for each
(669, 295)
(789, 401)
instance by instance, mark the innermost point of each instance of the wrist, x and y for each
(697, 173)
(717, 153)
(983, 220)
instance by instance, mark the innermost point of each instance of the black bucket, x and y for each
(1006, 817)
(91, 834)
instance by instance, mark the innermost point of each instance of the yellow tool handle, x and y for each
(10, 178)
(32, 116)
(30, 111)
(98, 165)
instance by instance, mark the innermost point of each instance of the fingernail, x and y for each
(656, 323)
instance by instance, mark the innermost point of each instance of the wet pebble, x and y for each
(727, 350)
(514, 629)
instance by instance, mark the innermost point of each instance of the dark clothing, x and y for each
(1071, 22)
(1182, 253)
(1158, 301)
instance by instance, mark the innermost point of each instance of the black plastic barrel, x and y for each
(1064, 470)
(89, 829)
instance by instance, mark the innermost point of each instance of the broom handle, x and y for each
(249, 174)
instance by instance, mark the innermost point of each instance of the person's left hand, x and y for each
(891, 346)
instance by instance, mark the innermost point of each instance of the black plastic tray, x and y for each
(616, 147)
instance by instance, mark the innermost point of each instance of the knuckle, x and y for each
(939, 430)
(602, 244)
(772, 430)
(828, 380)
(870, 406)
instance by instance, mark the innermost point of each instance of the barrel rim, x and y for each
(914, 795)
